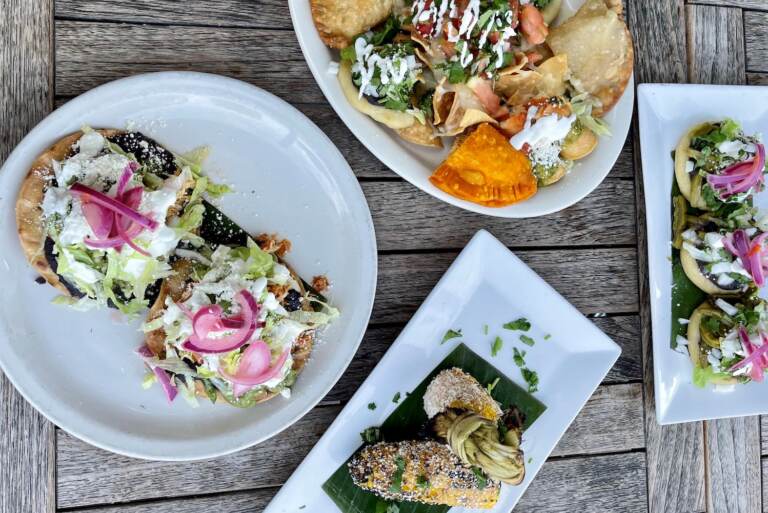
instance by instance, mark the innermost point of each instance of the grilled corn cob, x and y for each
(454, 388)
(421, 471)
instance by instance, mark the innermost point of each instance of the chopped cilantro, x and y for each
(482, 481)
(422, 482)
(519, 357)
(397, 478)
(547, 336)
(530, 460)
(371, 435)
(531, 378)
(490, 386)
(496, 346)
(396, 398)
(521, 324)
(349, 54)
(485, 329)
(451, 334)
(387, 32)
(371, 406)
(528, 341)
(456, 73)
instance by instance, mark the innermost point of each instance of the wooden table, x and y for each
(613, 458)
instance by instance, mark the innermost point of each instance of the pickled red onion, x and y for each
(119, 208)
(756, 357)
(751, 253)
(210, 319)
(739, 177)
(255, 368)
(162, 375)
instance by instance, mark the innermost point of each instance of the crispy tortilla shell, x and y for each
(339, 21)
(599, 49)
(29, 212)
(179, 287)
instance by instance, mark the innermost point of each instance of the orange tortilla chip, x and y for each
(487, 170)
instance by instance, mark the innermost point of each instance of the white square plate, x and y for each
(666, 112)
(487, 284)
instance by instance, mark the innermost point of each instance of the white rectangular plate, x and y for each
(487, 284)
(666, 112)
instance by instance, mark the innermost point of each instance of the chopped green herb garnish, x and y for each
(490, 386)
(530, 460)
(450, 334)
(520, 324)
(371, 406)
(496, 346)
(485, 329)
(531, 378)
(422, 482)
(547, 336)
(482, 481)
(396, 398)
(397, 478)
(371, 435)
(525, 339)
(518, 357)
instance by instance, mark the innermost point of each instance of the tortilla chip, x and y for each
(339, 21)
(456, 107)
(487, 170)
(599, 49)
(421, 134)
(547, 80)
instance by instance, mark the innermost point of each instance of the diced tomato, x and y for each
(490, 100)
(493, 37)
(532, 24)
(425, 28)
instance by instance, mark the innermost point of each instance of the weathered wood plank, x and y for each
(408, 219)
(267, 58)
(605, 484)
(623, 329)
(744, 4)
(594, 280)
(674, 454)
(716, 32)
(27, 442)
(733, 465)
(611, 421)
(271, 14)
(756, 36)
(757, 78)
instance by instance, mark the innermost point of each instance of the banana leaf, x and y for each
(686, 296)
(408, 420)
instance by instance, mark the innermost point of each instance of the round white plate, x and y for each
(79, 369)
(416, 163)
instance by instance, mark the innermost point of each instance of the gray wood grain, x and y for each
(757, 78)
(407, 218)
(756, 36)
(716, 50)
(733, 465)
(230, 13)
(91, 53)
(744, 4)
(89, 476)
(27, 450)
(674, 454)
(594, 280)
(604, 484)
(623, 329)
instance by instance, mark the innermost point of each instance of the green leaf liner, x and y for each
(407, 421)
(686, 296)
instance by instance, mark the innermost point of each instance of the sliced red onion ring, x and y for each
(162, 375)
(100, 219)
(751, 253)
(255, 366)
(113, 204)
(125, 177)
(209, 319)
(739, 177)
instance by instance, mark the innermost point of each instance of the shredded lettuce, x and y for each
(149, 379)
(704, 375)
(581, 106)
(260, 263)
(82, 304)
(194, 160)
(231, 361)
